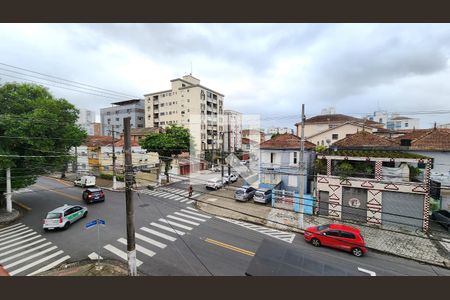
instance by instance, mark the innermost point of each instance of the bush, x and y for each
(110, 177)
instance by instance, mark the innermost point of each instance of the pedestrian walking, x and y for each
(190, 191)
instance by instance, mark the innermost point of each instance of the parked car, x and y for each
(442, 217)
(64, 216)
(215, 183)
(263, 195)
(85, 181)
(215, 168)
(244, 193)
(91, 195)
(229, 179)
(337, 236)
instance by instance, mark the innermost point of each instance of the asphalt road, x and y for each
(183, 241)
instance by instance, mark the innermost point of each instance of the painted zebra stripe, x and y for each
(195, 195)
(157, 233)
(21, 247)
(150, 241)
(9, 227)
(175, 224)
(18, 262)
(3, 261)
(50, 266)
(190, 208)
(26, 267)
(188, 216)
(184, 200)
(178, 198)
(167, 228)
(196, 214)
(189, 202)
(183, 220)
(16, 233)
(12, 229)
(17, 238)
(21, 242)
(120, 253)
(138, 248)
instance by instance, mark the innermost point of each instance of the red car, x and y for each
(337, 236)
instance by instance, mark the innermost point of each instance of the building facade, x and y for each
(192, 106)
(86, 120)
(112, 117)
(232, 130)
(397, 122)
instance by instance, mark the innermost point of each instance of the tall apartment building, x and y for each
(232, 130)
(192, 106)
(113, 116)
(86, 120)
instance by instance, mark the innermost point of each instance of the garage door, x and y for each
(354, 204)
(323, 203)
(402, 210)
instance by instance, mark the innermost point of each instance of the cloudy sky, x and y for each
(266, 69)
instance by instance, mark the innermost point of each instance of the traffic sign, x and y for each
(91, 224)
(102, 222)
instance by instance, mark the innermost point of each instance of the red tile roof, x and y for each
(121, 143)
(285, 141)
(433, 140)
(365, 139)
(99, 140)
(337, 118)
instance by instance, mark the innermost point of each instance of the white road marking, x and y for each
(150, 241)
(175, 224)
(21, 247)
(3, 261)
(190, 208)
(15, 233)
(49, 266)
(178, 198)
(17, 238)
(183, 220)
(189, 202)
(18, 262)
(10, 229)
(195, 195)
(35, 263)
(94, 256)
(167, 228)
(188, 216)
(157, 233)
(21, 242)
(446, 245)
(138, 248)
(121, 254)
(187, 199)
(371, 273)
(172, 197)
(196, 214)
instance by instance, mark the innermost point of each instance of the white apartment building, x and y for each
(86, 120)
(232, 130)
(397, 122)
(192, 106)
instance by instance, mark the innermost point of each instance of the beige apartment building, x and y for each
(192, 106)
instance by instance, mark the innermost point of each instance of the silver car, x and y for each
(64, 216)
(263, 196)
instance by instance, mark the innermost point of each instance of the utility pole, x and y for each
(229, 144)
(131, 243)
(113, 158)
(8, 190)
(221, 158)
(302, 167)
(75, 168)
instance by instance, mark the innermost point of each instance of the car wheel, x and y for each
(66, 225)
(46, 229)
(315, 242)
(357, 252)
(85, 214)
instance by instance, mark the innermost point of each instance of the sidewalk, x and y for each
(88, 268)
(416, 246)
(6, 218)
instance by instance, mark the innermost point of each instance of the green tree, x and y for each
(168, 144)
(36, 133)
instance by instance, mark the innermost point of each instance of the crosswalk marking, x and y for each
(167, 228)
(184, 200)
(10, 229)
(172, 194)
(17, 238)
(94, 256)
(14, 234)
(14, 230)
(188, 216)
(3, 261)
(18, 262)
(21, 247)
(175, 224)
(157, 233)
(138, 248)
(21, 242)
(120, 253)
(35, 263)
(190, 208)
(173, 197)
(278, 234)
(189, 202)
(150, 241)
(183, 220)
(196, 214)
(49, 266)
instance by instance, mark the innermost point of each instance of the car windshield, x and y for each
(239, 191)
(322, 227)
(53, 216)
(259, 193)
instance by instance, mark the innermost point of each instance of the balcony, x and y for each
(156, 111)
(156, 119)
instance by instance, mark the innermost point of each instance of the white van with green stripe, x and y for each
(64, 216)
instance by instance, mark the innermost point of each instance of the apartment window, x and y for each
(188, 100)
(183, 85)
(170, 94)
(108, 113)
(140, 126)
(117, 126)
(117, 119)
(140, 118)
(188, 90)
(162, 104)
(272, 157)
(381, 120)
(163, 123)
(335, 136)
(295, 160)
(117, 112)
(406, 124)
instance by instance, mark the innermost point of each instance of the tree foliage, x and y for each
(168, 144)
(34, 123)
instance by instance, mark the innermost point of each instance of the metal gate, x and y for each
(402, 209)
(323, 203)
(354, 204)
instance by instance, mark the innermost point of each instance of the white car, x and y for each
(215, 183)
(231, 178)
(85, 181)
(64, 216)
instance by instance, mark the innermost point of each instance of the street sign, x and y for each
(91, 224)
(102, 222)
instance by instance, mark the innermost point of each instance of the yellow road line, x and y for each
(58, 192)
(230, 247)
(21, 205)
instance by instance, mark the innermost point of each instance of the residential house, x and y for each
(400, 122)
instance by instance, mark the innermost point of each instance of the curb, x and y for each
(10, 219)
(444, 264)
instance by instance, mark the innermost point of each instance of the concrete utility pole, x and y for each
(221, 157)
(113, 158)
(8, 190)
(75, 168)
(302, 167)
(131, 243)
(229, 143)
